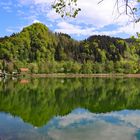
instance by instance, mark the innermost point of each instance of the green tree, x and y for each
(87, 67)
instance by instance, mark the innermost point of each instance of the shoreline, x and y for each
(70, 75)
(73, 75)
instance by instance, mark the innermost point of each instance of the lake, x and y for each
(70, 109)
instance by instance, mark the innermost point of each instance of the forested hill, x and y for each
(42, 51)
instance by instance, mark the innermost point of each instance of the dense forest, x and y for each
(42, 51)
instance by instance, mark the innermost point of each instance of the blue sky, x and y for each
(99, 19)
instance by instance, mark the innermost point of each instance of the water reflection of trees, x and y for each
(41, 99)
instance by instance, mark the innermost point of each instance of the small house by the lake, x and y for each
(24, 70)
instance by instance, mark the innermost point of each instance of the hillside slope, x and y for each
(42, 51)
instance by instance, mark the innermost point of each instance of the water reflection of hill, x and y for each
(41, 99)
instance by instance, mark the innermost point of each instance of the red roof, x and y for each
(24, 69)
(24, 81)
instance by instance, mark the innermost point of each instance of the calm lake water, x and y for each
(70, 109)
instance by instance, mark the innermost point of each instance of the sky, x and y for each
(93, 19)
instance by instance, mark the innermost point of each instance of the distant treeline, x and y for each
(42, 51)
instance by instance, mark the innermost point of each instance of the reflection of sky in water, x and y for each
(78, 125)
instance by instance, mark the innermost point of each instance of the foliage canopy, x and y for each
(42, 51)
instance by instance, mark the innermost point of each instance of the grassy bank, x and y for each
(57, 75)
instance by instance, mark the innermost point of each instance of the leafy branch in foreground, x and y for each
(69, 8)
(66, 8)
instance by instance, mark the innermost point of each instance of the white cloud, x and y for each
(78, 30)
(96, 126)
(73, 29)
(132, 118)
(52, 15)
(6, 6)
(75, 118)
(94, 13)
(123, 118)
(14, 29)
(35, 1)
(68, 28)
(91, 19)
(99, 130)
(95, 16)
(130, 29)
